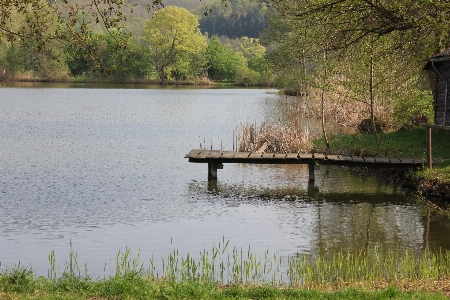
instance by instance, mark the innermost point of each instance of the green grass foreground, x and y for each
(409, 144)
(139, 288)
(368, 274)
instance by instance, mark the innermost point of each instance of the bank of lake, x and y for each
(375, 274)
(433, 184)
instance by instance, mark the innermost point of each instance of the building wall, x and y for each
(440, 95)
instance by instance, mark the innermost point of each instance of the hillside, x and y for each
(142, 11)
(232, 19)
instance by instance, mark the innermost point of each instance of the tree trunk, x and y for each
(162, 77)
(374, 127)
(322, 96)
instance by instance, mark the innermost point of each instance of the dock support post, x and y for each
(212, 171)
(312, 178)
(429, 149)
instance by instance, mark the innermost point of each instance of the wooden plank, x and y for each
(255, 155)
(345, 158)
(203, 154)
(358, 159)
(382, 160)
(216, 154)
(319, 155)
(305, 155)
(228, 154)
(267, 155)
(209, 154)
(242, 155)
(279, 156)
(193, 153)
(418, 161)
(395, 160)
(333, 157)
(407, 161)
(292, 155)
(369, 159)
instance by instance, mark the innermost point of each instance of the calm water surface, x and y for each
(104, 168)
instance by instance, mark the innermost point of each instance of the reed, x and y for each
(226, 268)
(287, 131)
(238, 266)
(273, 138)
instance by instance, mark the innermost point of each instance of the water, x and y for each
(104, 169)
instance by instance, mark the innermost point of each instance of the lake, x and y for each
(102, 168)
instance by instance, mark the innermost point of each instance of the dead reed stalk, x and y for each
(273, 138)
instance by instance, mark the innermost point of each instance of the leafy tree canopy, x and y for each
(347, 22)
(171, 34)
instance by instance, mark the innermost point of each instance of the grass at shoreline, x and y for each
(372, 274)
(145, 289)
(393, 144)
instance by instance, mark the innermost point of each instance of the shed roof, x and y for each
(442, 56)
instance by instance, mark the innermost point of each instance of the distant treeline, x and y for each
(166, 48)
(235, 19)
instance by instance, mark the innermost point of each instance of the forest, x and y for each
(365, 55)
(137, 42)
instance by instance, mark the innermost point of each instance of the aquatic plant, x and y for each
(235, 272)
(237, 266)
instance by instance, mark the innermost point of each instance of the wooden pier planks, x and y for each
(193, 153)
(219, 156)
(215, 159)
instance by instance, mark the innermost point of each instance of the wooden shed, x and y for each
(439, 65)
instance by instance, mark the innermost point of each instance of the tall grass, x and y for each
(238, 266)
(222, 272)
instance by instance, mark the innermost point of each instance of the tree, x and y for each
(257, 70)
(404, 34)
(171, 37)
(351, 21)
(41, 23)
(223, 62)
(12, 61)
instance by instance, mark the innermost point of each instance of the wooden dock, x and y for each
(216, 158)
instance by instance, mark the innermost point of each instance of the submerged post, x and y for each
(212, 171)
(312, 178)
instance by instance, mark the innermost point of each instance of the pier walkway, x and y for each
(216, 158)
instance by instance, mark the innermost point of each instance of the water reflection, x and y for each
(376, 216)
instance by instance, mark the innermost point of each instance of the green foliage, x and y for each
(251, 48)
(52, 40)
(417, 103)
(392, 38)
(235, 18)
(19, 279)
(246, 76)
(223, 62)
(12, 61)
(172, 36)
